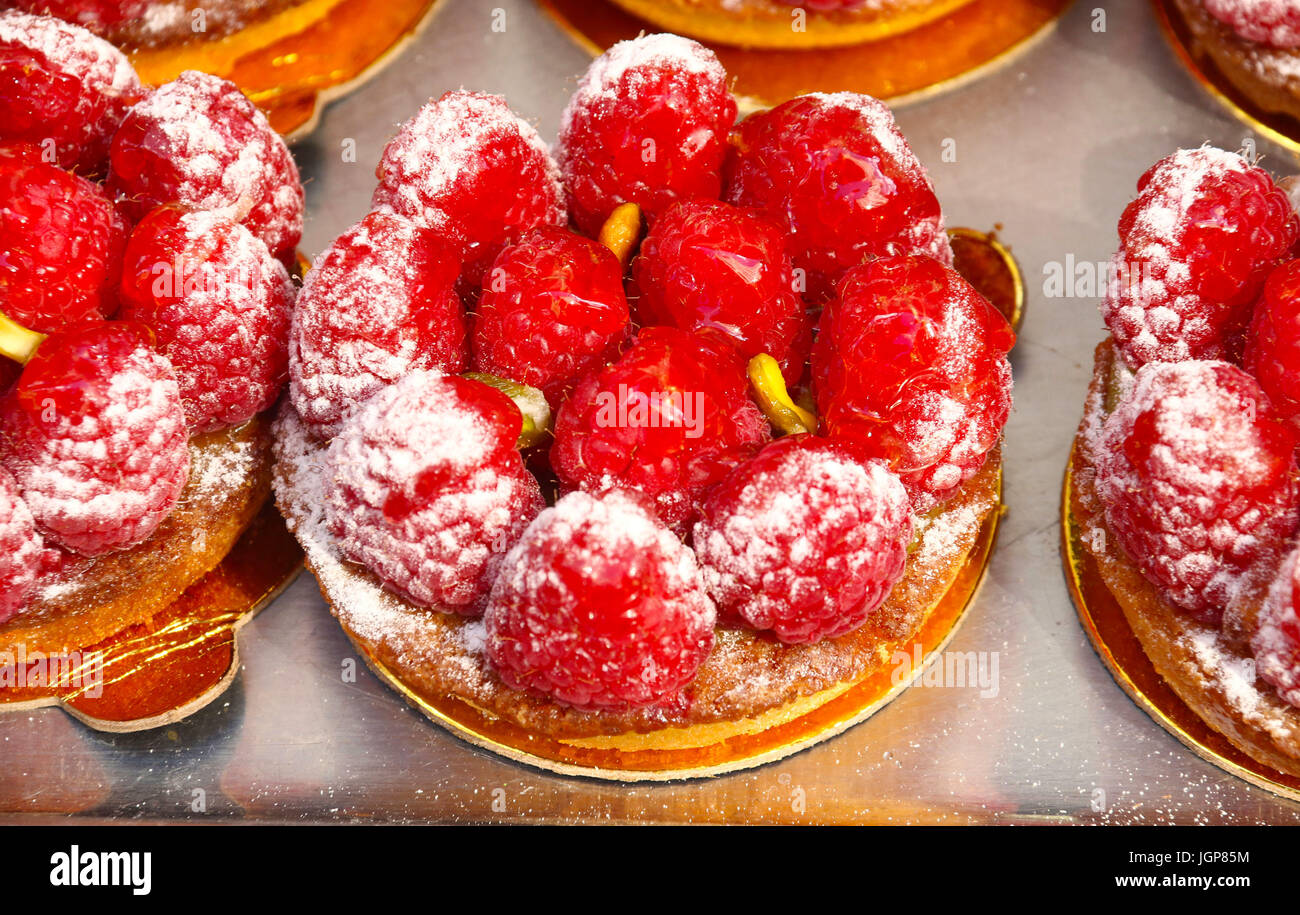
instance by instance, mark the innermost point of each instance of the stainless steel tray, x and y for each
(1049, 147)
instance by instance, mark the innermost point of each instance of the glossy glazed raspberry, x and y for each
(599, 606)
(836, 173)
(806, 540)
(1272, 352)
(468, 167)
(198, 142)
(911, 362)
(21, 547)
(1272, 22)
(61, 242)
(723, 271)
(670, 419)
(95, 435)
(219, 306)
(93, 14)
(648, 124)
(1195, 248)
(63, 89)
(552, 308)
(1276, 640)
(425, 488)
(380, 302)
(1198, 479)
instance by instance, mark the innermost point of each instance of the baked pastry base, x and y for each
(946, 53)
(1195, 681)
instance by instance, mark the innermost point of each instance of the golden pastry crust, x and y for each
(1210, 669)
(92, 599)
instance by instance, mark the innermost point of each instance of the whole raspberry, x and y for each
(21, 547)
(93, 14)
(1272, 22)
(552, 308)
(95, 435)
(911, 362)
(718, 270)
(468, 167)
(670, 419)
(380, 302)
(1273, 340)
(1276, 641)
(219, 306)
(1198, 479)
(61, 244)
(599, 606)
(648, 124)
(806, 540)
(198, 142)
(63, 86)
(1195, 248)
(836, 173)
(425, 488)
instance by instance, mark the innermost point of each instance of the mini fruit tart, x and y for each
(1183, 488)
(542, 448)
(145, 307)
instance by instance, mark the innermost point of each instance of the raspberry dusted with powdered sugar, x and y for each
(1276, 640)
(471, 169)
(670, 419)
(552, 307)
(1198, 479)
(806, 540)
(1195, 247)
(648, 125)
(723, 271)
(21, 548)
(1272, 352)
(61, 245)
(95, 435)
(599, 606)
(425, 488)
(836, 173)
(93, 14)
(61, 85)
(380, 302)
(1272, 22)
(219, 305)
(911, 362)
(198, 142)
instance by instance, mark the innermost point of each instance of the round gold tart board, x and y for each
(1281, 129)
(1119, 649)
(919, 63)
(298, 59)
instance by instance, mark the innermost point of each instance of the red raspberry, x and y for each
(468, 167)
(911, 362)
(62, 85)
(61, 244)
(425, 488)
(718, 270)
(807, 539)
(1198, 480)
(1195, 248)
(93, 14)
(647, 124)
(1276, 642)
(378, 303)
(599, 606)
(21, 548)
(552, 308)
(836, 173)
(219, 305)
(198, 142)
(1273, 341)
(95, 436)
(670, 419)
(1272, 22)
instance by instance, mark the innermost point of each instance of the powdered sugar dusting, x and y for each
(73, 49)
(1272, 22)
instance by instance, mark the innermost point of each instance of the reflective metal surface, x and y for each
(1050, 149)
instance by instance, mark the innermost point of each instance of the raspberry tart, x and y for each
(144, 321)
(542, 449)
(1182, 503)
